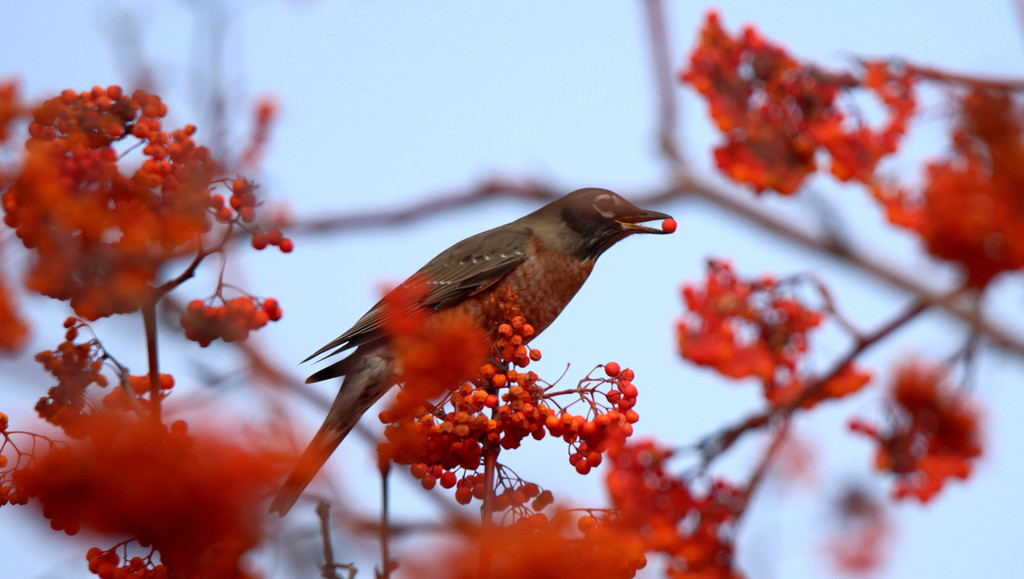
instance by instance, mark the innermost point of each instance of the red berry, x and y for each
(612, 369)
(448, 479)
(668, 225)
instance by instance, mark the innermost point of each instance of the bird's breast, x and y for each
(545, 283)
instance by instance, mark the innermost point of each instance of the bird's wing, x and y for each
(464, 269)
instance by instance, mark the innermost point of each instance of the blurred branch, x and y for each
(715, 445)
(930, 73)
(661, 69)
(434, 205)
(330, 567)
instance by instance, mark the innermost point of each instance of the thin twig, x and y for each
(149, 323)
(435, 205)
(385, 523)
(487, 512)
(973, 81)
(715, 445)
(661, 69)
(330, 567)
(781, 435)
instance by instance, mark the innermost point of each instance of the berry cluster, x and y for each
(501, 407)
(230, 322)
(107, 565)
(932, 435)
(99, 235)
(9, 494)
(240, 208)
(75, 367)
(156, 501)
(665, 513)
(119, 399)
(755, 329)
(969, 209)
(261, 240)
(777, 114)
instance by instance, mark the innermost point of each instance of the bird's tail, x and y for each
(316, 454)
(368, 377)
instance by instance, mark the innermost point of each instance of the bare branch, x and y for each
(661, 70)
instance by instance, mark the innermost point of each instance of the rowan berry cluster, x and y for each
(108, 565)
(665, 513)
(969, 209)
(503, 405)
(932, 433)
(75, 367)
(689, 521)
(156, 500)
(136, 392)
(10, 494)
(778, 114)
(99, 236)
(230, 322)
(755, 329)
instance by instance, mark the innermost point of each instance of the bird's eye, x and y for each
(605, 205)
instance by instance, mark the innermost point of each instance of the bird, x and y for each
(544, 257)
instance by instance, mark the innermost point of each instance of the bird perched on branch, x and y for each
(543, 257)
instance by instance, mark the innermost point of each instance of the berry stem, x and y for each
(149, 322)
(385, 534)
(487, 510)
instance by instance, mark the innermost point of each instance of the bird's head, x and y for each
(591, 220)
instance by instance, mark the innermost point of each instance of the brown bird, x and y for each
(544, 257)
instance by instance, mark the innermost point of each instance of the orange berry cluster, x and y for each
(752, 329)
(156, 501)
(120, 400)
(10, 494)
(241, 207)
(107, 565)
(932, 436)
(969, 209)
(777, 114)
(76, 367)
(230, 322)
(660, 512)
(100, 236)
(499, 409)
(605, 426)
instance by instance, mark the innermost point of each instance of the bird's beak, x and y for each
(631, 223)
